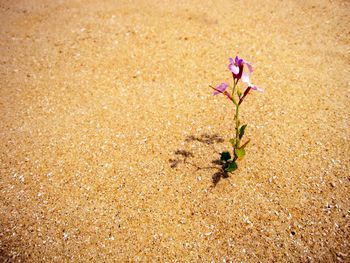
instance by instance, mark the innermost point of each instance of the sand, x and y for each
(110, 136)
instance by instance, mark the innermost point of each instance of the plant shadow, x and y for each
(183, 157)
(205, 138)
(220, 174)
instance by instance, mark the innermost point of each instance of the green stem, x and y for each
(237, 132)
(236, 118)
(233, 92)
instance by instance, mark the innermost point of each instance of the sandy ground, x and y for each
(109, 133)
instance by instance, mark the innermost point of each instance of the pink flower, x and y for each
(236, 67)
(245, 79)
(221, 88)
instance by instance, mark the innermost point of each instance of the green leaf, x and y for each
(241, 131)
(225, 156)
(233, 142)
(231, 167)
(240, 152)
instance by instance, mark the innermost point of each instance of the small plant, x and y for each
(237, 96)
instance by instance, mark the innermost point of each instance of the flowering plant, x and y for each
(236, 66)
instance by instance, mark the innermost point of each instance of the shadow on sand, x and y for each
(183, 156)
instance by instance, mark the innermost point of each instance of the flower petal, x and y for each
(245, 78)
(249, 65)
(240, 62)
(233, 68)
(220, 88)
(231, 60)
(257, 89)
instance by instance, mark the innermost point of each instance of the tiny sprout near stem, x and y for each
(236, 67)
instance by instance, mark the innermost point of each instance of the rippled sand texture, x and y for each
(109, 133)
